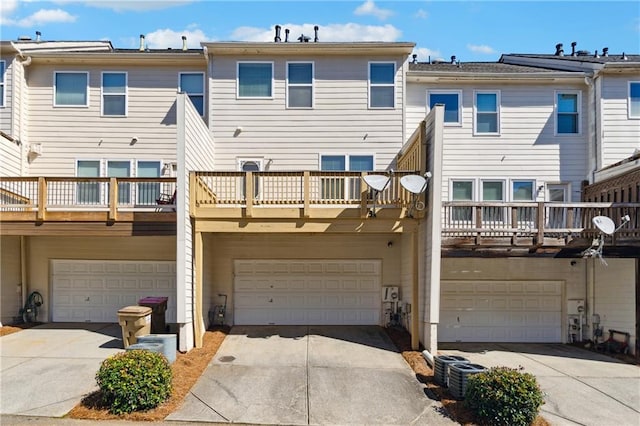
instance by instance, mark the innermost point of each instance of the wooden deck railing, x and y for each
(302, 189)
(46, 194)
(537, 222)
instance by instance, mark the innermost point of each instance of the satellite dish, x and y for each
(377, 182)
(414, 183)
(604, 224)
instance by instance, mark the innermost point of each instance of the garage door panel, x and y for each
(314, 292)
(501, 311)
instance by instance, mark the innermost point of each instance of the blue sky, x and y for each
(471, 30)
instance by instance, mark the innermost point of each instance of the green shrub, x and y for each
(134, 381)
(504, 396)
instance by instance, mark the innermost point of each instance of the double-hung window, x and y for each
(114, 93)
(255, 80)
(71, 89)
(487, 113)
(300, 85)
(121, 168)
(336, 188)
(634, 99)
(567, 113)
(148, 192)
(192, 83)
(88, 192)
(382, 84)
(462, 190)
(3, 65)
(524, 191)
(452, 101)
(493, 191)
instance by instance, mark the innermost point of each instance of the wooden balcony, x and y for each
(535, 226)
(29, 201)
(295, 195)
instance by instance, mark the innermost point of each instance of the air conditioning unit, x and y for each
(390, 294)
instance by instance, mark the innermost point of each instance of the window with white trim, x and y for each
(339, 188)
(452, 101)
(567, 108)
(3, 66)
(486, 113)
(462, 190)
(634, 99)
(149, 192)
(192, 83)
(524, 191)
(300, 84)
(250, 165)
(255, 80)
(382, 84)
(71, 89)
(492, 191)
(119, 169)
(114, 93)
(88, 192)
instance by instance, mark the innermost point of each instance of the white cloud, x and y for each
(164, 38)
(421, 14)
(129, 5)
(370, 8)
(424, 54)
(43, 16)
(481, 48)
(330, 33)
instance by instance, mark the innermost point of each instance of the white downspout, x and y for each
(17, 128)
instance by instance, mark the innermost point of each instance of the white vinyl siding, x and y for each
(114, 93)
(193, 85)
(300, 85)
(452, 101)
(293, 137)
(527, 145)
(382, 84)
(487, 113)
(567, 112)
(255, 80)
(71, 89)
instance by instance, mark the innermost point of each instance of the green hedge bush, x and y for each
(504, 396)
(135, 380)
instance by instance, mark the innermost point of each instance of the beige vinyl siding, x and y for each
(10, 158)
(339, 122)
(42, 249)
(70, 133)
(620, 135)
(10, 279)
(221, 249)
(526, 147)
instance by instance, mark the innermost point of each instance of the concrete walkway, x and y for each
(302, 375)
(581, 387)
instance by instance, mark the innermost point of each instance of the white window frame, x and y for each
(3, 74)
(455, 210)
(129, 185)
(371, 85)
(632, 117)
(238, 63)
(201, 74)
(312, 84)
(346, 181)
(99, 184)
(55, 74)
(125, 94)
(502, 218)
(161, 189)
(578, 112)
(476, 113)
(241, 161)
(447, 92)
(534, 189)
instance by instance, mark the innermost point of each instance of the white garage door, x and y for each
(307, 292)
(500, 311)
(94, 290)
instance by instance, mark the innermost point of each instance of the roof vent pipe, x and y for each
(141, 42)
(415, 58)
(277, 38)
(315, 38)
(286, 35)
(595, 55)
(624, 57)
(38, 36)
(453, 59)
(605, 51)
(573, 48)
(559, 51)
(184, 42)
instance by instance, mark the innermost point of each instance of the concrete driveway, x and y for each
(581, 387)
(300, 375)
(46, 370)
